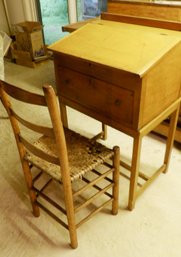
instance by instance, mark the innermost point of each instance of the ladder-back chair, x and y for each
(63, 156)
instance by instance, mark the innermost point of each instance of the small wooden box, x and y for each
(124, 75)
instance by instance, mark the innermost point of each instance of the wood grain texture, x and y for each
(145, 9)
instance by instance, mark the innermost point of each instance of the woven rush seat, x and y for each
(89, 155)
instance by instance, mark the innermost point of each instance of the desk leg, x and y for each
(104, 131)
(170, 138)
(134, 171)
(64, 115)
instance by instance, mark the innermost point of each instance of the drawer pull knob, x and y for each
(66, 81)
(117, 102)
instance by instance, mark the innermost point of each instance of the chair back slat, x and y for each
(38, 152)
(37, 128)
(22, 95)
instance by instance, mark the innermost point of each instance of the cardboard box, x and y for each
(21, 57)
(24, 58)
(29, 37)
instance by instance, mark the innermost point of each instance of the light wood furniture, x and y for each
(127, 77)
(166, 14)
(144, 21)
(170, 10)
(87, 170)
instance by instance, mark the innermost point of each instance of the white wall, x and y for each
(3, 21)
(15, 11)
(20, 10)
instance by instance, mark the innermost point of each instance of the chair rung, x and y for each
(37, 176)
(48, 182)
(107, 164)
(93, 213)
(52, 215)
(50, 201)
(92, 183)
(98, 136)
(128, 167)
(90, 200)
(96, 186)
(98, 173)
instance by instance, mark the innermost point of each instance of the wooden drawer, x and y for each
(101, 72)
(102, 98)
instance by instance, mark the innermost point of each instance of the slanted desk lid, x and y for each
(128, 47)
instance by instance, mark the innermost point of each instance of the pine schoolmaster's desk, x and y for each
(126, 76)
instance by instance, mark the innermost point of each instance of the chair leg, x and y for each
(69, 206)
(116, 165)
(32, 193)
(73, 237)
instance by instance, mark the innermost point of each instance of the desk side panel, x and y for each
(161, 86)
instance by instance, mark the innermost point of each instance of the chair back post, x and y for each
(55, 116)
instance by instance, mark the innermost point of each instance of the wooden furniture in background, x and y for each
(155, 10)
(126, 76)
(155, 23)
(61, 157)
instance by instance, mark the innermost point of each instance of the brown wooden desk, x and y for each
(126, 76)
(155, 14)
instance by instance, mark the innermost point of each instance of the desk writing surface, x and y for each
(119, 45)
